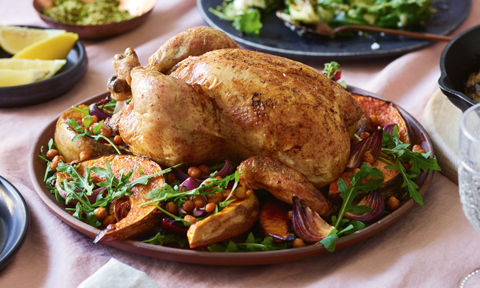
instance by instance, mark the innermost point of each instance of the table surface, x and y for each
(430, 247)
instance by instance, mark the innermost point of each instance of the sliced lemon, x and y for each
(13, 39)
(10, 77)
(56, 47)
(52, 66)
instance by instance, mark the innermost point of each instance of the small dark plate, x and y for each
(37, 170)
(14, 221)
(276, 38)
(64, 80)
(97, 31)
(459, 59)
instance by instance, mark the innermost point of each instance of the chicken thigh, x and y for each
(238, 103)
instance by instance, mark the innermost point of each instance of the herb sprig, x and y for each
(252, 244)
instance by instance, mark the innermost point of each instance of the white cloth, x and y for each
(117, 274)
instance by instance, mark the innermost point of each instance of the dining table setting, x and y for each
(428, 240)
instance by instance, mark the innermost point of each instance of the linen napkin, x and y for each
(117, 274)
(441, 119)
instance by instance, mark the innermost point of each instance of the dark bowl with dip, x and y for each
(459, 59)
(143, 9)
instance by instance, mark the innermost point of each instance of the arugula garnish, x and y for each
(398, 152)
(252, 244)
(332, 72)
(164, 237)
(82, 132)
(348, 195)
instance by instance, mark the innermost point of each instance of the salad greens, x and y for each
(246, 14)
(252, 244)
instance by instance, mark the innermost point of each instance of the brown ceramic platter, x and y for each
(37, 170)
(95, 31)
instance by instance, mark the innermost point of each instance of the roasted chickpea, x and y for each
(100, 213)
(204, 169)
(368, 157)
(172, 208)
(190, 219)
(210, 208)
(240, 193)
(194, 172)
(297, 243)
(417, 148)
(110, 219)
(356, 170)
(170, 178)
(51, 154)
(117, 140)
(59, 158)
(393, 203)
(94, 120)
(188, 206)
(85, 155)
(215, 198)
(105, 132)
(55, 161)
(198, 201)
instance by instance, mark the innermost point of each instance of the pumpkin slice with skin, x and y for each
(64, 134)
(274, 220)
(139, 219)
(232, 221)
(382, 114)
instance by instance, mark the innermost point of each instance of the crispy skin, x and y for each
(238, 103)
(192, 42)
(282, 182)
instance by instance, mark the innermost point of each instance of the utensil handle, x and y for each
(424, 36)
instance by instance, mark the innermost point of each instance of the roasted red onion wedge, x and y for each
(373, 199)
(190, 184)
(372, 143)
(92, 198)
(389, 128)
(97, 111)
(121, 207)
(307, 224)
(174, 226)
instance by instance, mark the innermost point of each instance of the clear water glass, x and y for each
(469, 178)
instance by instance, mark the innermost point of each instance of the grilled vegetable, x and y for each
(274, 220)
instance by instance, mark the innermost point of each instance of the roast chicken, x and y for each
(202, 99)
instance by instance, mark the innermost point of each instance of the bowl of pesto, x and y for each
(94, 19)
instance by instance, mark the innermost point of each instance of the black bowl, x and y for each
(70, 74)
(14, 221)
(460, 58)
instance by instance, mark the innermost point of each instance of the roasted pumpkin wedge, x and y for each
(383, 113)
(138, 219)
(64, 134)
(391, 183)
(233, 220)
(274, 220)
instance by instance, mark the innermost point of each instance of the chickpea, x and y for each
(210, 208)
(85, 155)
(364, 135)
(105, 132)
(171, 178)
(356, 170)
(59, 158)
(109, 220)
(198, 201)
(100, 213)
(172, 208)
(297, 243)
(190, 219)
(393, 203)
(215, 198)
(368, 157)
(51, 154)
(418, 148)
(240, 193)
(56, 160)
(117, 140)
(204, 169)
(188, 206)
(94, 120)
(194, 172)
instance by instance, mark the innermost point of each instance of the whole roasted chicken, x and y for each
(202, 99)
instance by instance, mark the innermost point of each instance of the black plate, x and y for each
(64, 80)
(276, 38)
(14, 221)
(460, 58)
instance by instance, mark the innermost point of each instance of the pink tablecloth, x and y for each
(430, 247)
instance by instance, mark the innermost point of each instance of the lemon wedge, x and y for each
(10, 77)
(52, 66)
(56, 47)
(13, 39)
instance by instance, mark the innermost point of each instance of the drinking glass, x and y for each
(469, 178)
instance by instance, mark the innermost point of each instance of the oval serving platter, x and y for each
(60, 83)
(37, 170)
